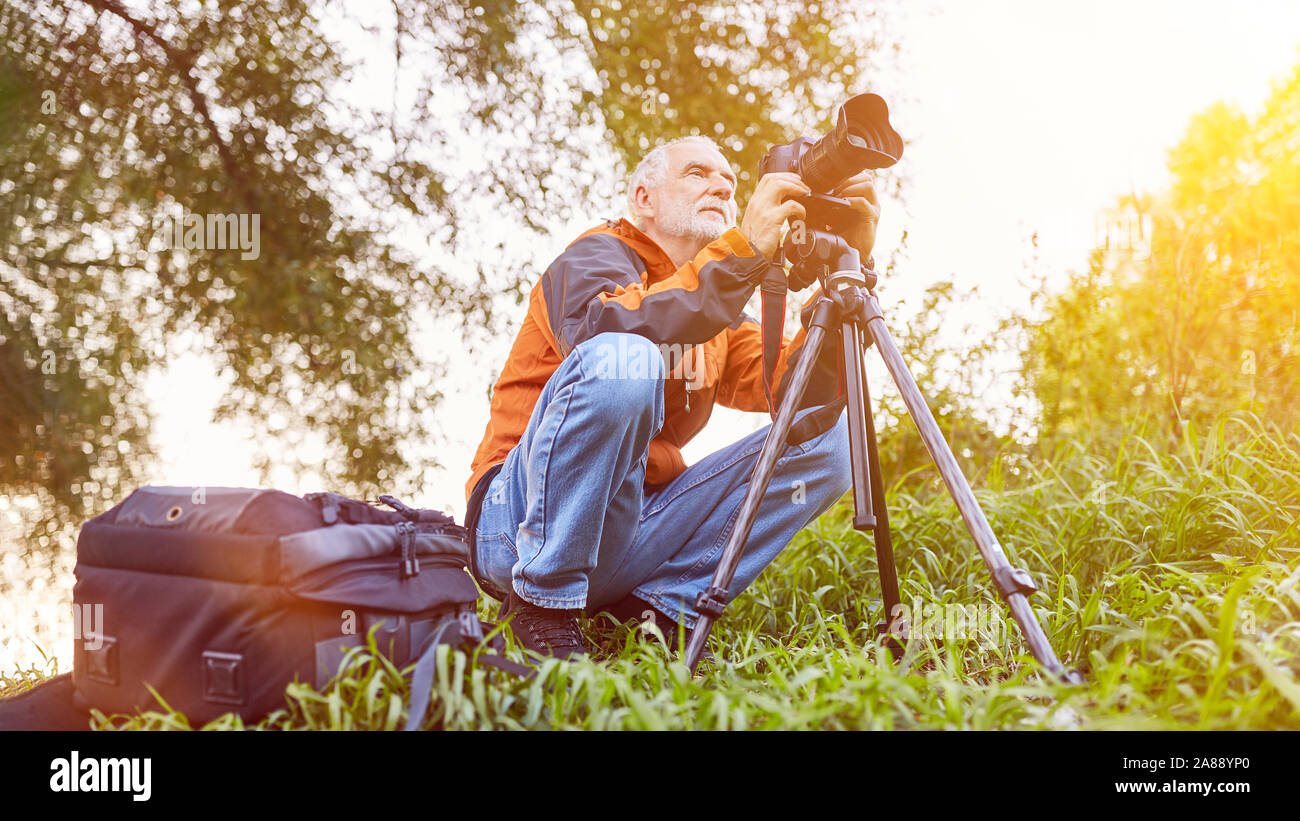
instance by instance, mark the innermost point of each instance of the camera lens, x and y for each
(862, 138)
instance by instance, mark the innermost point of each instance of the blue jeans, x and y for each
(567, 523)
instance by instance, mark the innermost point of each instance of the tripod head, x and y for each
(815, 246)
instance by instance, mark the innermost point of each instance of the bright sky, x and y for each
(1034, 115)
(1020, 117)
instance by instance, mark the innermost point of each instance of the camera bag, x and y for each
(218, 598)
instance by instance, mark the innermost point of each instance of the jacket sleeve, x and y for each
(596, 287)
(741, 385)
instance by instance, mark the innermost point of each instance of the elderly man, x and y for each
(579, 496)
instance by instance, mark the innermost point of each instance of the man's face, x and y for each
(696, 200)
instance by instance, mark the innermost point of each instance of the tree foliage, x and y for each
(568, 79)
(118, 116)
(1202, 316)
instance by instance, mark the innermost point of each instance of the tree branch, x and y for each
(183, 65)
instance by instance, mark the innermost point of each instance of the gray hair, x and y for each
(653, 170)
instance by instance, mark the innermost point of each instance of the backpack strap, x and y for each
(335, 508)
(465, 629)
(815, 423)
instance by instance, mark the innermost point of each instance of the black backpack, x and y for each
(218, 598)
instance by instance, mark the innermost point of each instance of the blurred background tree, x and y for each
(114, 114)
(1201, 314)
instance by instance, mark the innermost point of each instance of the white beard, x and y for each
(682, 220)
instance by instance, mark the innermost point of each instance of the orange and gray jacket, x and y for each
(613, 278)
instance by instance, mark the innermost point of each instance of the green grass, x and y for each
(20, 681)
(1171, 580)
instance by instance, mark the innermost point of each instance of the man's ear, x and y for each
(644, 203)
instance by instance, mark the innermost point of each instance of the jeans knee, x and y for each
(628, 370)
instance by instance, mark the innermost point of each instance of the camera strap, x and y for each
(772, 294)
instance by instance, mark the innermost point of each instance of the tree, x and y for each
(632, 74)
(116, 118)
(1203, 316)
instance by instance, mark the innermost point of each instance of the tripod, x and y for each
(841, 271)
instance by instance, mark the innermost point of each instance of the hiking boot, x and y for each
(543, 630)
(630, 608)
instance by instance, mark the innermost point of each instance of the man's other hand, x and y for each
(860, 191)
(770, 206)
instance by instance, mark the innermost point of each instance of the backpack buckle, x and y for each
(406, 538)
(408, 513)
(471, 629)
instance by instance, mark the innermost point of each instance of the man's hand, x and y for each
(770, 206)
(860, 191)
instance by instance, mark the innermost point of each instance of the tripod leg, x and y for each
(870, 512)
(859, 406)
(884, 543)
(1014, 584)
(711, 603)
